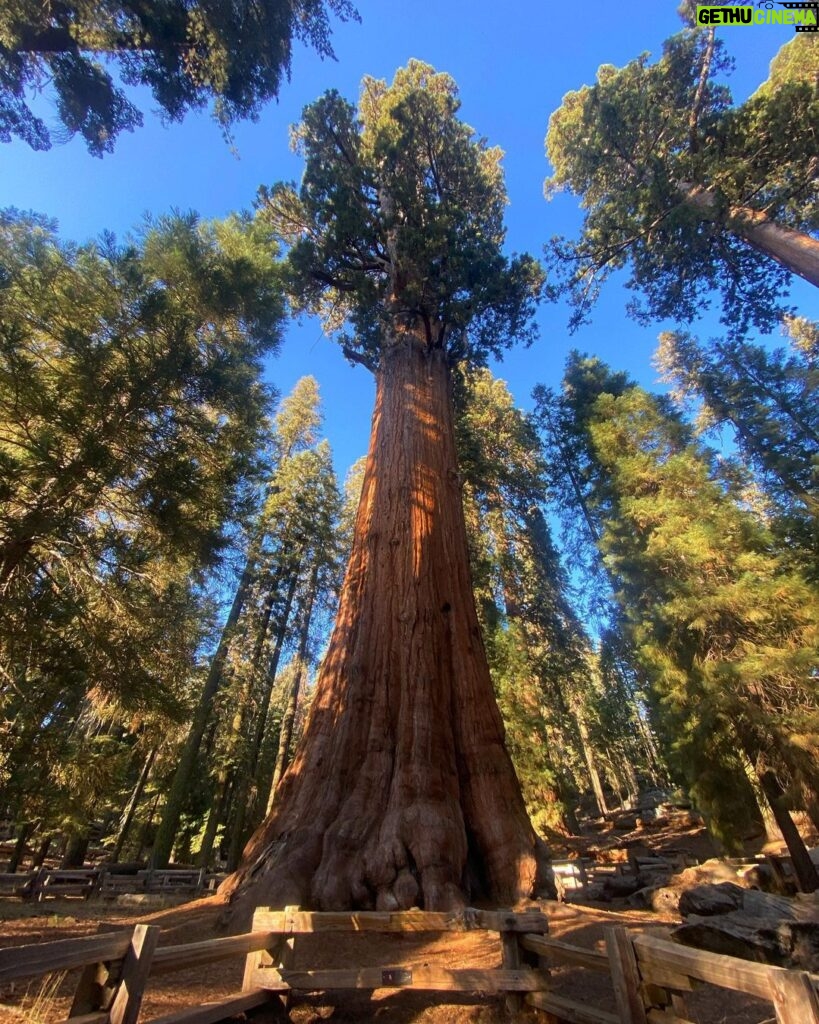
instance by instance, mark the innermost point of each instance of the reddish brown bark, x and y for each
(797, 251)
(401, 792)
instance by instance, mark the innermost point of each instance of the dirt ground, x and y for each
(46, 1001)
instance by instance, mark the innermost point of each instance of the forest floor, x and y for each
(581, 922)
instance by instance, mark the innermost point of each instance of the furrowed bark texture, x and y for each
(401, 792)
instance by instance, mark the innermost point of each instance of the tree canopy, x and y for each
(691, 193)
(399, 221)
(189, 54)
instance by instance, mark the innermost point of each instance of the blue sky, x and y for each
(512, 62)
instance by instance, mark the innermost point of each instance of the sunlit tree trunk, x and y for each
(401, 789)
(797, 251)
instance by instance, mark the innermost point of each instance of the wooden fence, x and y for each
(106, 882)
(651, 978)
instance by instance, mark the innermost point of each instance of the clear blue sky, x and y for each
(513, 63)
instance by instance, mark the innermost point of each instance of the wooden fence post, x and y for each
(135, 970)
(281, 953)
(510, 953)
(625, 976)
(794, 998)
(96, 988)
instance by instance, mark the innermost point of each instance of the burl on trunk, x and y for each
(401, 792)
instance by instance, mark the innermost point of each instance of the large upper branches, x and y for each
(399, 221)
(691, 192)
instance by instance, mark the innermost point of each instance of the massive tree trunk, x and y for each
(401, 792)
(797, 251)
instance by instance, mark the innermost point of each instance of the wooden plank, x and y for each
(716, 968)
(625, 977)
(135, 970)
(99, 1017)
(210, 1013)
(666, 1017)
(511, 960)
(91, 991)
(62, 955)
(666, 978)
(432, 979)
(570, 1010)
(565, 951)
(194, 954)
(794, 998)
(400, 921)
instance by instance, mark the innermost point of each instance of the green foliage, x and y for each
(398, 222)
(768, 397)
(289, 583)
(645, 141)
(187, 54)
(131, 412)
(545, 672)
(725, 630)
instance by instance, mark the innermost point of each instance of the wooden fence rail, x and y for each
(105, 881)
(651, 978)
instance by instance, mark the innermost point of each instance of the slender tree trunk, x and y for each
(795, 250)
(248, 774)
(803, 866)
(19, 851)
(588, 757)
(289, 717)
(181, 784)
(402, 777)
(215, 819)
(130, 810)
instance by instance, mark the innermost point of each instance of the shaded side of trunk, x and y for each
(804, 868)
(402, 778)
(795, 250)
(75, 850)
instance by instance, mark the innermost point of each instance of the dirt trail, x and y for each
(582, 925)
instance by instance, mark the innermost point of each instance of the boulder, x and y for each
(620, 886)
(709, 900)
(752, 925)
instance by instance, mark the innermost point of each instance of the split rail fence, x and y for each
(651, 978)
(105, 882)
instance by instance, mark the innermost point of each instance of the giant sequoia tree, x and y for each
(692, 193)
(402, 791)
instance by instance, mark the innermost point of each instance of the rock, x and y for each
(710, 900)
(713, 870)
(655, 897)
(142, 899)
(620, 886)
(751, 924)
(664, 898)
(786, 944)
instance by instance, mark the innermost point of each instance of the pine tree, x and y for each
(287, 539)
(724, 629)
(768, 398)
